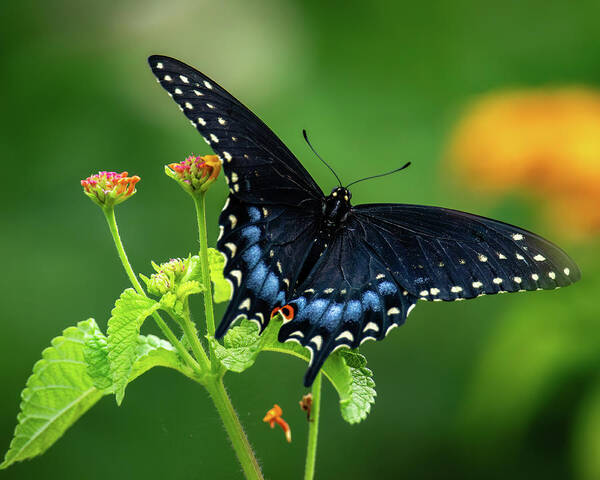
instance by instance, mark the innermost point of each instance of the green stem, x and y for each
(192, 336)
(234, 429)
(199, 201)
(109, 213)
(313, 429)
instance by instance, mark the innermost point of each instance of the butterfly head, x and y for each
(336, 206)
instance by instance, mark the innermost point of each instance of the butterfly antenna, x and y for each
(319, 156)
(380, 175)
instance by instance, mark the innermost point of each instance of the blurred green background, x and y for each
(500, 387)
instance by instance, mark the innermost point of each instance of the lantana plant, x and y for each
(89, 364)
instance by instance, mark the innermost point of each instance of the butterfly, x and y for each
(340, 274)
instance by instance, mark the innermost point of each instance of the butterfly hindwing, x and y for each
(264, 247)
(443, 254)
(258, 167)
(348, 297)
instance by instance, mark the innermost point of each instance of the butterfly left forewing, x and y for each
(259, 168)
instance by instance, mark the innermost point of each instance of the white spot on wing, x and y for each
(517, 279)
(539, 258)
(477, 284)
(233, 221)
(482, 258)
(160, 65)
(221, 121)
(393, 311)
(245, 305)
(208, 85)
(232, 247)
(535, 276)
(178, 91)
(497, 280)
(227, 156)
(214, 138)
(552, 275)
(434, 291)
(168, 78)
(238, 276)
(567, 271)
(328, 290)
(423, 293)
(456, 289)
(234, 177)
(410, 309)
(345, 335)
(189, 106)
(317, 340)
(520, 257)
(210, 105)
(380, 276)
(517, 236)
(371, 326)
(201, 121)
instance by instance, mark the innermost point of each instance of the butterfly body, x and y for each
(341, 274)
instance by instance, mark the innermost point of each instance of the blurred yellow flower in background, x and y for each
(542, 141)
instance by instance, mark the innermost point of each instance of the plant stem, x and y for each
(234, 429)
(313, 429)
(199, 201)
(109, 213)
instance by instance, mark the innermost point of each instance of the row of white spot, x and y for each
(496, 281)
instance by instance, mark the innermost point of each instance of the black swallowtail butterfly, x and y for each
(341, 274)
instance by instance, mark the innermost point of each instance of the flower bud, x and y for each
(195, 173)
(107, 189)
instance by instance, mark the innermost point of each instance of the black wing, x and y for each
(264, 248)
(349, 296)
(442, 254)
(259, 168)
(269, 218)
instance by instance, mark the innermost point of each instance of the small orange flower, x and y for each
(195, 173)
(545, 142)
(273, 417)
(108, 189)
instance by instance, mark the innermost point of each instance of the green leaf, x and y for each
(123, 330)
(58, 392)
(356, 400)
(95, 352)
(345, 369)
(221, 287)
(155, 352)
(242, 344)
(64, 385)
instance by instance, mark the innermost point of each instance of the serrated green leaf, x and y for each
(58, 392)
(242, 344)
(61, 388)
(95, 352)
(345, 369)
(356, 400)
(130, 311)
(221, 287)
(154, 352)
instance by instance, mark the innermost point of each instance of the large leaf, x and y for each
(346, 370)
(130, 311)
(64, 384)
(57, 393)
